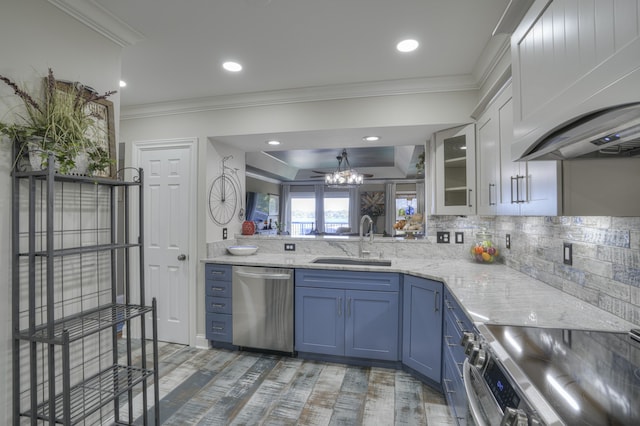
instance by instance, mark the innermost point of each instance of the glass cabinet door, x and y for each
(455, 171)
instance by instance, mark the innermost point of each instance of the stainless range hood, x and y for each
(609, 133)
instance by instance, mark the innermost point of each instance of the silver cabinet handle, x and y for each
(437, 301)
(339, 306)
(494, 186)
(349, 307)
(217, 288)
(182, 257)
(516, 179)
(218, 305)
(446, 387)
(470, 205)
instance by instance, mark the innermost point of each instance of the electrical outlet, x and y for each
(567, 253)
(442, 237)
(459, 237)
(507, 242)
(289, 247)
(224, 233)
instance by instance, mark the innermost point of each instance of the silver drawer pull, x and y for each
(446, 387)
(216, 272)
(449, 344)
(218, 305)
(218, 328)
(217, 288)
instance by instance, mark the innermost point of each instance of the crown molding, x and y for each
(497, 50)
(100, 20)
(306, 94)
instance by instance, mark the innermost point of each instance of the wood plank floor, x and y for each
(221, 387)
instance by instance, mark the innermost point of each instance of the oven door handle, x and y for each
(474, 408)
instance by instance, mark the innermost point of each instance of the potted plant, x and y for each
(57, 121)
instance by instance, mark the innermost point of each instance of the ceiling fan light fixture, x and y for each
(344, 176)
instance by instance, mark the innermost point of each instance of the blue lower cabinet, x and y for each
(371, 329)
(319, 321)
(218, 302)
(331, 320)
(422, 326)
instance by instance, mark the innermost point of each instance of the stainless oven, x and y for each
(538, 376)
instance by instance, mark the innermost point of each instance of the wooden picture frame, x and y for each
(100, 108)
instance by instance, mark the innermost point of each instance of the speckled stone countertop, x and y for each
(492, 294)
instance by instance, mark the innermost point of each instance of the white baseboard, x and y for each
(202, 342)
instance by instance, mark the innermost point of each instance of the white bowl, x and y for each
(242, 250)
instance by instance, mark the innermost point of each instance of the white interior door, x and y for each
(167, 214)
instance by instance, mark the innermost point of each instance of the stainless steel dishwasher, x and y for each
(262, 308)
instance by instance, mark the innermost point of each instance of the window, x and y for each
(336, 212)
(321, 211)
(406, 204)
(303, 213)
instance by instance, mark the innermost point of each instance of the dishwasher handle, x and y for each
(264, 276)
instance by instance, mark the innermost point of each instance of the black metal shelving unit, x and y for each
(67, 363)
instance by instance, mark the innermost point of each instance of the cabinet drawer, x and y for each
(217, 272)
(218, 327)
(348, 280)
(452, 342)
(219, 305)
(451, 307)
(453, 386)
(218, 288)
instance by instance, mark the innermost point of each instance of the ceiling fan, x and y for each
(344, 175)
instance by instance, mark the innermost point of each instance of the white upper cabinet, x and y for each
(488, 161)
(571, 57)
(455, 171)
(507, 187)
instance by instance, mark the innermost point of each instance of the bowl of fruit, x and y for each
(483, 250)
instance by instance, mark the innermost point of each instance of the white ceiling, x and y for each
(177, 48)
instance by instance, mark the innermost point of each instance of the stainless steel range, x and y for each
(536, 376)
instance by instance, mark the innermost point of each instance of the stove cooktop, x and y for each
(588, 377)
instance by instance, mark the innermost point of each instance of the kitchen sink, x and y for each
(352, 261)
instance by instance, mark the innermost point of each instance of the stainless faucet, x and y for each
(364, 218)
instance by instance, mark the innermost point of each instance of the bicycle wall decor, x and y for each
(225, 195)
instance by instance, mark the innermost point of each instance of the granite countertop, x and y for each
(492, 294)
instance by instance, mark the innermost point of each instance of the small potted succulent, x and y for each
(57, 121)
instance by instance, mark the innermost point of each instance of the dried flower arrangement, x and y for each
(58, 121)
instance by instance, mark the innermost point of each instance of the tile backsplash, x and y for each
(605, 269)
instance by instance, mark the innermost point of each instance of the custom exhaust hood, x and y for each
(607, 133)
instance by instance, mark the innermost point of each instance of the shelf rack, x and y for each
(66, 365)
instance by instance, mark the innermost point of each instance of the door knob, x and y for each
(182, 257)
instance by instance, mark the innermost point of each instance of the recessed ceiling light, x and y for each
(273, 142)
(123, 83)
(232, 66)
(371, 138)
(408, 45)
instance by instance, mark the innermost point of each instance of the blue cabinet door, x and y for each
(422, 326)
(371, 324)
(319, 314)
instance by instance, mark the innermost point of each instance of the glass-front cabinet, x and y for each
(455, 171)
